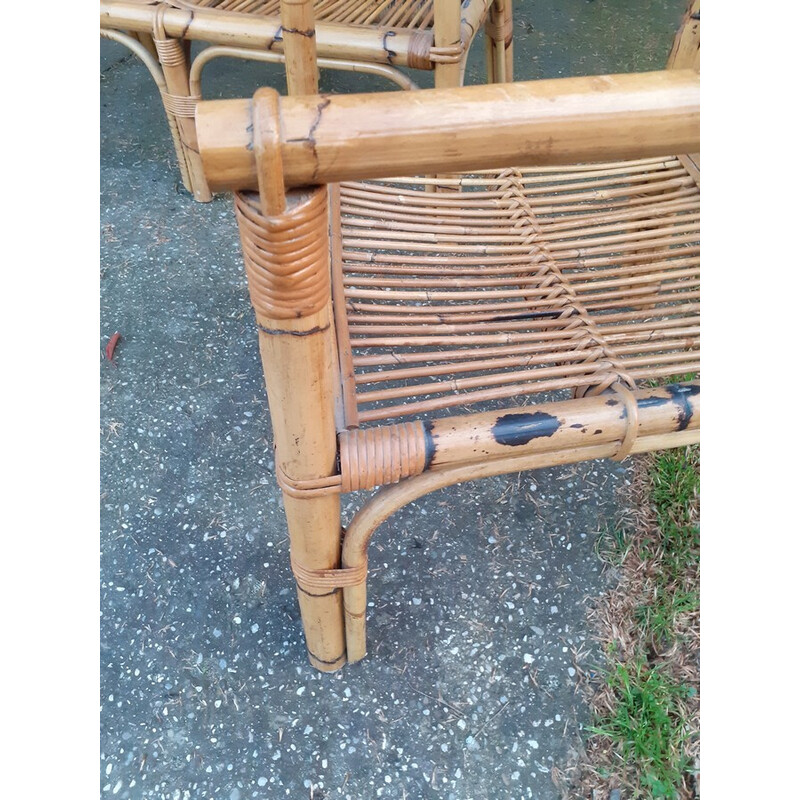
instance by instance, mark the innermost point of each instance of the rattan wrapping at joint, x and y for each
(449, 54)
(316, 487)
(329, 579)
(170, 51)
(376, 456)
(180, 105)
(632, 420)
(286, 257)
(419, 48)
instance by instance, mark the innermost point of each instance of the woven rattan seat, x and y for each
(526, 281)
(372, 36)
(384, 13)
(419, 332)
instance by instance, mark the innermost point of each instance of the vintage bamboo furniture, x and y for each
(552, 300)
(373, 36)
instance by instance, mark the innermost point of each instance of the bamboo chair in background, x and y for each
(371, 36)
(568, 263)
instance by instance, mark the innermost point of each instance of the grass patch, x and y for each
(643, 723)
(645, 733)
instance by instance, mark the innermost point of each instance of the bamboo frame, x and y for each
(207, 55)
(350, 36)
(389, 303)
(382, 135)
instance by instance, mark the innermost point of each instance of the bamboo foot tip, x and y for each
(327, 666)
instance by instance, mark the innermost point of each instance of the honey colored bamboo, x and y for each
(296, 344)
(499, 43)
(172, 57)
(685, 53)
(333, 40)
(299, 46)
(347, 137)
(447, 36)
(666, 426)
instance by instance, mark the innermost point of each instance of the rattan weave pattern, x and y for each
(521, 282)
(384, 13)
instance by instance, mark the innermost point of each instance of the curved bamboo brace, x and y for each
(392, 498)
(153, 67)
(202, 59)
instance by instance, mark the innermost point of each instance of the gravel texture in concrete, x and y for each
(476, 624)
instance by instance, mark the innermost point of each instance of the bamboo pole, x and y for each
(347, 137)
(286, 259)
(300, 46)
(447, 37)
(545, 427)
(179, 101)
(499, 43)
(285, 246)
(685, 53)
(405, 47)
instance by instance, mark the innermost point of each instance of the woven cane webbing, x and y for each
(522, 282)
(384, 13)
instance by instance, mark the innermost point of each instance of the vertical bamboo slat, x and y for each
(447, 34)
(499, 43)
(178, 100)
(299, 46)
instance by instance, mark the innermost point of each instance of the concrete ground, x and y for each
(477, 630)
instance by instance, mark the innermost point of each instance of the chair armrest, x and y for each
(549, 122)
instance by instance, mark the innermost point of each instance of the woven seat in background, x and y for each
(391, 14)
(370, 36)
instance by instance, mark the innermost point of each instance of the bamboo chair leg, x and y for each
(137, 46)
(285, 246)
(499, 32)
(448, 47)
(181, 103)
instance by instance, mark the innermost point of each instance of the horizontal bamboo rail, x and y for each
(403, 47)
(673, 423)
(366, 454)
(351, 137)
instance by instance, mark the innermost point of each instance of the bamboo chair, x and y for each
(550, 302)
(371, 36)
